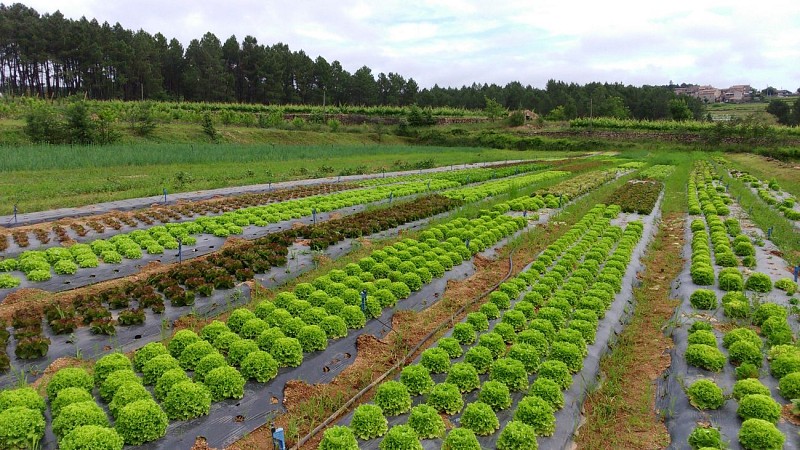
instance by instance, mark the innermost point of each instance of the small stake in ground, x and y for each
(165, 196)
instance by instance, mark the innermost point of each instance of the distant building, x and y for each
(710, 94)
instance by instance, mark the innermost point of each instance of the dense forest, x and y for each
(48, 55)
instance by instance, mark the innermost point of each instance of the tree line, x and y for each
(48, 55)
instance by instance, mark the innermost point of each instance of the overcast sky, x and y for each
(456, 42)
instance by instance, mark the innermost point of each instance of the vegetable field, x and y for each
(456, 308)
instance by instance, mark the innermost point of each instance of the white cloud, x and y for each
(456, 42)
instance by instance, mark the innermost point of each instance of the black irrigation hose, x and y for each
(450, 322)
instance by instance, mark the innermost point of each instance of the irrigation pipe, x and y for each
(346, 407)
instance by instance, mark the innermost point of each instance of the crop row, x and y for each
(222, 270)
(36, 265)
(637, 196)
(657, 172)
(462, 176)
(275, 334)
(767, 192)
(491, 188)
(548, 331)
(573, 187)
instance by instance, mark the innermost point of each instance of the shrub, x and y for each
(758, 282)
(548, 390)
(464, 376)
(401, 437)
(758, 406)
(194, 352)
(77, 414)
(92, 437)
(393, 398)
(745, 352)
(338, 438)
(495, 394)
(181, 340)
(260, 366)
(705, 357)
(369, 422)
(703, 299)
(702, 437)
(436, 360)
(705, 394)
(426, 422)
(108, 364)
(446, 397)
(288, 352)
(69, 377)
(224, 382)
(517, 436)
(26, 397)
(480, 357)
(536, 412)
(146, 353)
(558, 372)
(510, 372)
(187, 400)
(141, 421)
(461, 439)
(749, 386)
(21, 427)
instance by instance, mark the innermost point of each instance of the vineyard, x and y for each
(453, 307)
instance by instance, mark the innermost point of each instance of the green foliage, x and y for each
(749, 386)
(156, 367)
(194, 352)
(495, 394)
(127, 394)
(758, 282)
(510, 372)
(705, 394)
(224, 382)
(537, 413)
(141, 421)
(745, 352)
(369, 422)
(92, 437)
(559, 372)
(705, 437)
(705, 357)
(703, 299)
(68, 396)
(757, 434)
(240, 349)
(436, 360)
(464, 376)
(393, 398)
(260, 366)
(417, 379)
(26, 397)
(517, 435)
(167, 380)
(480, 357)
(446, 397)
(426, 422)
(480, 418)
(21, 427)
(568, 353)
(338, 438)
(312, 338)
(206, 365)
(181, 340)
(288, 352)
(400, 437)
(461, 439)
(69, 377)
(78, 414)
(548, 390)
(148, 352)
(116, 380)
(759, 406)
(187, 400)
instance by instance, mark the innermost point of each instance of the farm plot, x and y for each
(734, 359)
(193, 284)
(284, 331)
(548, 328)
(770, 193)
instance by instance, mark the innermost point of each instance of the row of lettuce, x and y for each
(519, 351)
(744, 346)
(770, 192)
(36, 265)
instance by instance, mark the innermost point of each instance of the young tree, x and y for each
(493, 109)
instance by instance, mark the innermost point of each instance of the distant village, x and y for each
(740, 93)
